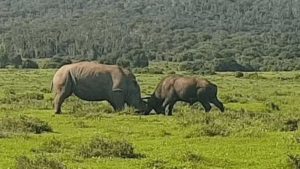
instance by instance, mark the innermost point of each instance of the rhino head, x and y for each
(154, 103)
(133, 97)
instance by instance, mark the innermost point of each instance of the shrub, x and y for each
(24, 124)
(272, 106)
(50, 65)
(138, 58)
(297, 76)
(23, 97)
(123, 62)
(16, 61)
(32, 96)
(295, 161)
(254, 76)
(39, 162)
(290, 125)
(103, 147)
(56, 62)
(29, 64)
(3, 57)
(191, 157)
(157, 164)
(148, 70)
(228, 64)
(81, 124)
(211, 130)
(238, 74)
(155, 71)
(53, 145)
(171, 72)
(45, 90)
(3, 135)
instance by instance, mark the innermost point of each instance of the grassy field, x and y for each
(259, 128)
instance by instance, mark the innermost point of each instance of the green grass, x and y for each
(259, 128)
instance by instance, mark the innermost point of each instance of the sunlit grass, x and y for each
(252, 133)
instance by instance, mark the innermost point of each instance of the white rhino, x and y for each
(97, 82)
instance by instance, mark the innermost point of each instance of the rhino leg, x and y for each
(171, 106)
(117, 100)
(168, 105)
(206, 106)
(60, 97)
(218, 104)
(147, 112)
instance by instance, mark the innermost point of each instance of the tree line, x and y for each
(219, 35)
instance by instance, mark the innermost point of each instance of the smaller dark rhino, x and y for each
(187, 89)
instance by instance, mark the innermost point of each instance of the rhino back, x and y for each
(94, 82)
(163, 88)
(186, 88)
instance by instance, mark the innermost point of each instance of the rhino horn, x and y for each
(146, 97)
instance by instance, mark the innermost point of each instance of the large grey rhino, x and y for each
(97, 82)
(175, 88)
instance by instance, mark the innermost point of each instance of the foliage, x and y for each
(29, 64)
(16, 61)
(103, 147)
(56, 62)
(295, 161)
(53, 145)
(123, 62)
(3, 57)
(24, 124)
(254, 35)
(23, 162)
(238, 74)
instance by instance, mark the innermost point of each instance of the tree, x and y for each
(123, 62)
(228, 64)
(16, 61)
(30, 64)
(3, 57)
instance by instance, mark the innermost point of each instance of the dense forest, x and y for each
(218, 35)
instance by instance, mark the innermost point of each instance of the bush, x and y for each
(3, 57)
(295, 161)
(272, 106)
(50, 65)
(23, 97)
(138, 58)
(39, 162)
(123, 62)
(171, 72)
(16, 61)
(3, 135)
(199, 66)
(290, 125)
(156, 164)
(56, 62)
(102, 147)
(191, 157)
(53, 146)
(254, 76)
(211, 130)
(148, 70)
(228, 64)
(29, 64)
(238, 74)
(24, 124)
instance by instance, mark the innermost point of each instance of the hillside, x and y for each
(219, 34)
